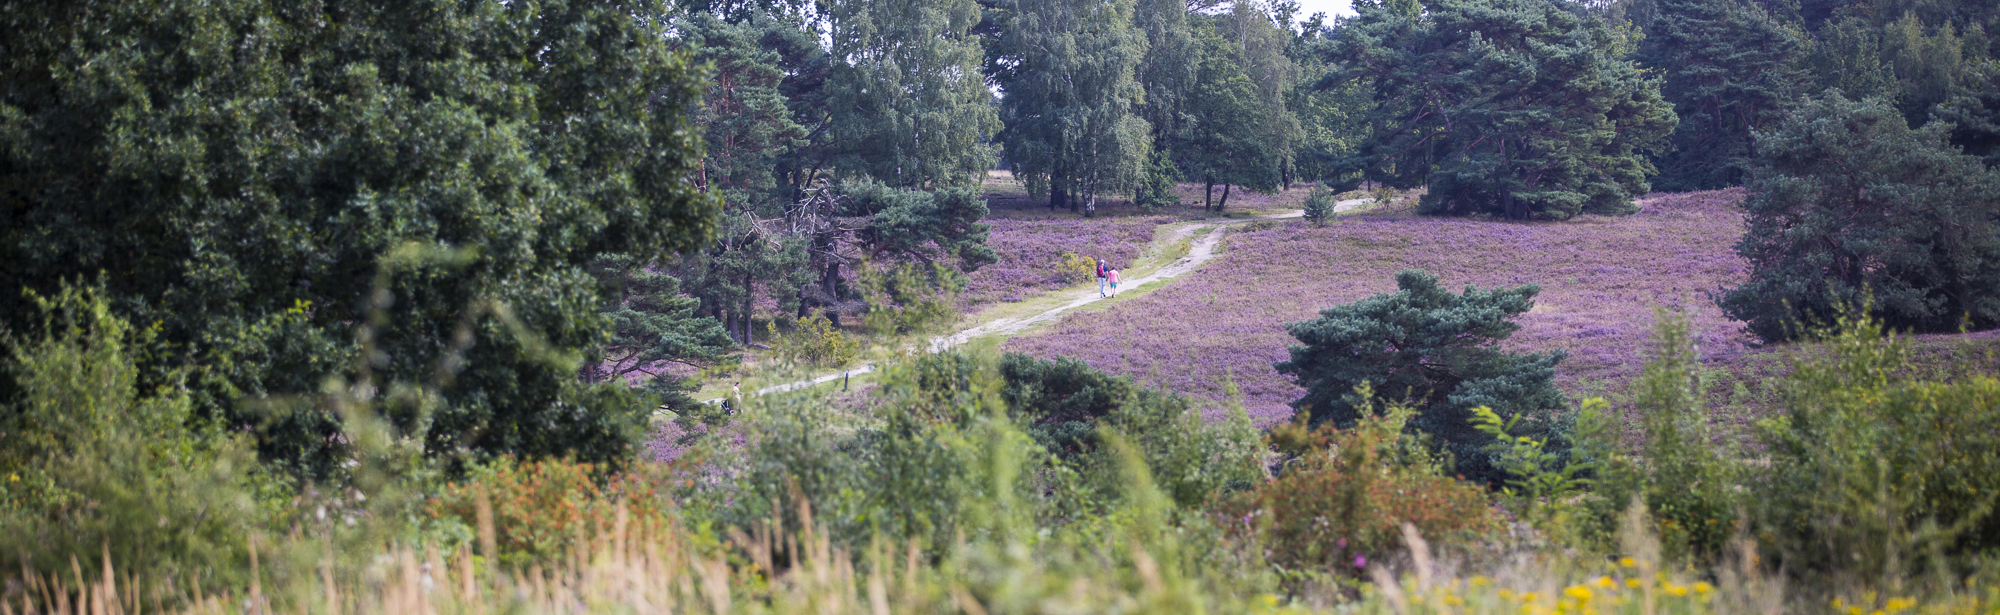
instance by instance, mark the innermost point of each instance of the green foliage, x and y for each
(929, 227)
(1876, 472)
(1438, 350)
(1729, 70)
(1539, 481)
(1076, 268)
(1974, 117)
(1319, 205)
(1065, 69)
(653, 324)
(1464, 106)
(1070, 408)
(223, 162)
(744, 117)
(1235, 129)
(911, 300)
(95, 461)
(813, 341)
(538, 511)
(1339, 503)
(1685, 477)
(1156, 189)
(1847, 201)
(904, 103)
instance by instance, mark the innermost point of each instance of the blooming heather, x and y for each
(1600, 279)
(1031, 249)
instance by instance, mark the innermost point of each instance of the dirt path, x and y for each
(1202, 251)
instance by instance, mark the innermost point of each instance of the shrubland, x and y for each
(1021, 485)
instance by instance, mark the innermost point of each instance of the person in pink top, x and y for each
(1113, 275)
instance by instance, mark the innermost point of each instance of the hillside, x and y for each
(1601, 278)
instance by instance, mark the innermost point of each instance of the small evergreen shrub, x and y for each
(1438, 351)
(1319, 205)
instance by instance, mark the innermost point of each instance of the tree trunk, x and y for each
(1058, 189)
(747, 311)
(1207, 194)
(1224, 203)
(831, 282)
(1090, 205)
(729, 325)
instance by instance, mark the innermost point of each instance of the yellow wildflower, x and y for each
(1481, 581)
(1677, 590)
(1633, 583)
(1898, 604)
(1628, 562)
(1604, 582)
(1578, 592)
(1701, 587)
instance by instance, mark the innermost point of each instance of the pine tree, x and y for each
(1850, 207)
(1511, 107)
(1438, 350)
(1728, 70)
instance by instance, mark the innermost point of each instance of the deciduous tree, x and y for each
(236, 171)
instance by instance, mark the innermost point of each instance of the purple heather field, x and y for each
(1600, 279)
(1031, 248)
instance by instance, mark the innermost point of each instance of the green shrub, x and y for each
(96, 460)
(1874, 472)
(1338, 505)
(538, 510)
(1438, 350)
(1076, 268)
(813, 340)
(911, 300)
(1319, 205)
(1068, 406)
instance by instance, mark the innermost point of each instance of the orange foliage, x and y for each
(542, 508)
(1341, 502)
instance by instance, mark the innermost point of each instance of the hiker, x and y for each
(1114, 282)
(1101, 270)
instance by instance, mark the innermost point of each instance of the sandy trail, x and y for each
(1202, 251)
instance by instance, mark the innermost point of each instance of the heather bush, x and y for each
(1339, 501)
(99, 460)
(1438, 351)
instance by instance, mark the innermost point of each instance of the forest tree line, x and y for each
(647, 182)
